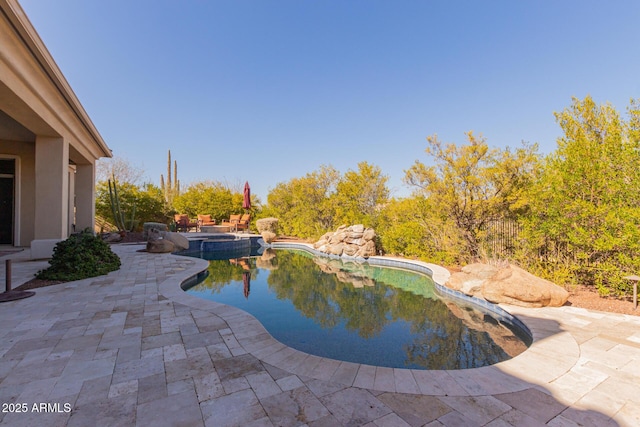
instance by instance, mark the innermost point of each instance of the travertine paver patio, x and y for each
(132, 348)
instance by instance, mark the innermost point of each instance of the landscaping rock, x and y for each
(354, 241)
(268, 236)
(179, 241)
(152, 225)
(112, 237)
(268, 228)
(369, 234)
(367, 250)
(469, 281)
(350, 250)
(508, 285)
(513, 285)
(336, 249)
(479, 270)
(160, 246)
(267, 224)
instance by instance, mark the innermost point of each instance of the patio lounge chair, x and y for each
(243, 224)
(183, 223)
(233, 221)
(205, 220)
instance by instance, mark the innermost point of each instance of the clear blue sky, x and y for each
(265, 91)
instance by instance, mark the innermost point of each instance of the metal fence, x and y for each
(500, 237)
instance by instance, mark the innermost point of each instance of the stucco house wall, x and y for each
(48, 135)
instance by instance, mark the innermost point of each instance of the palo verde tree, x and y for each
(208, 197)
(584, 224)
(322, 200)
(412, 227)
(303, 204)
(472, 184)
(360, 195)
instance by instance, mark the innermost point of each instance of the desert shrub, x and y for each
(80, 256)
(209, 198)
(411, 227)
(148, 201)
(583, 206)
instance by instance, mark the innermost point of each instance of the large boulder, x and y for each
(267, 224)
(147, 226)
(338, 237)
(366, 250)
(323, 241)
(179, 241)
(481, 271)
(508, 284)
(160, 246)
(513, 285)
(469, 281)
(112, 237)
(268, 236)
(350, 250)
(268, 228)
(358, 228)
(336, 249)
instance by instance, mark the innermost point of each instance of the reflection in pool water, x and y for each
(358, 312)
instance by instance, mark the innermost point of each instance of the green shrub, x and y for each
(81, 256)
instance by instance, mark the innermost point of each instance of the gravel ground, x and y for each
(589, 298)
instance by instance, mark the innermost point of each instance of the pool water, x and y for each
(358, 312)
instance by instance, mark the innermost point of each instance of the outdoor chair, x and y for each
(232, 222)
(183, 223)
(205, 220)
(243, 223)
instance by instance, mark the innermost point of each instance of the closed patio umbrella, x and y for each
(246, 202)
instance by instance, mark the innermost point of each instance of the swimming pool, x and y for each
(359, 312)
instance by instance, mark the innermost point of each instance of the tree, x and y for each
(472, 184)
(412, 227)
(322, 200)
(584, 222)
(360, 195)
(121, 168)
(303, 204)
(148, 200)
(208, 197)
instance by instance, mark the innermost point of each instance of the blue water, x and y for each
(357, 312)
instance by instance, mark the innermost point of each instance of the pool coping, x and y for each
(553, 352)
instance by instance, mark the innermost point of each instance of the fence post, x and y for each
(634, 279)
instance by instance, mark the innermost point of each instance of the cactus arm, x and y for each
(133, 215)
(113, 205)
(121, 224)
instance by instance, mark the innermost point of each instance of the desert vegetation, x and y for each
(573, 214)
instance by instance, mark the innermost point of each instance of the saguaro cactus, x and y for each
(116, 209)
(172, 187)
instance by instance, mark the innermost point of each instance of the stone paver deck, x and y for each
(131, 348)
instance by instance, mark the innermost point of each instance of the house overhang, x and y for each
(35, 93)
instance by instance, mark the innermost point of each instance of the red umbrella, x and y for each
(246, 203)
